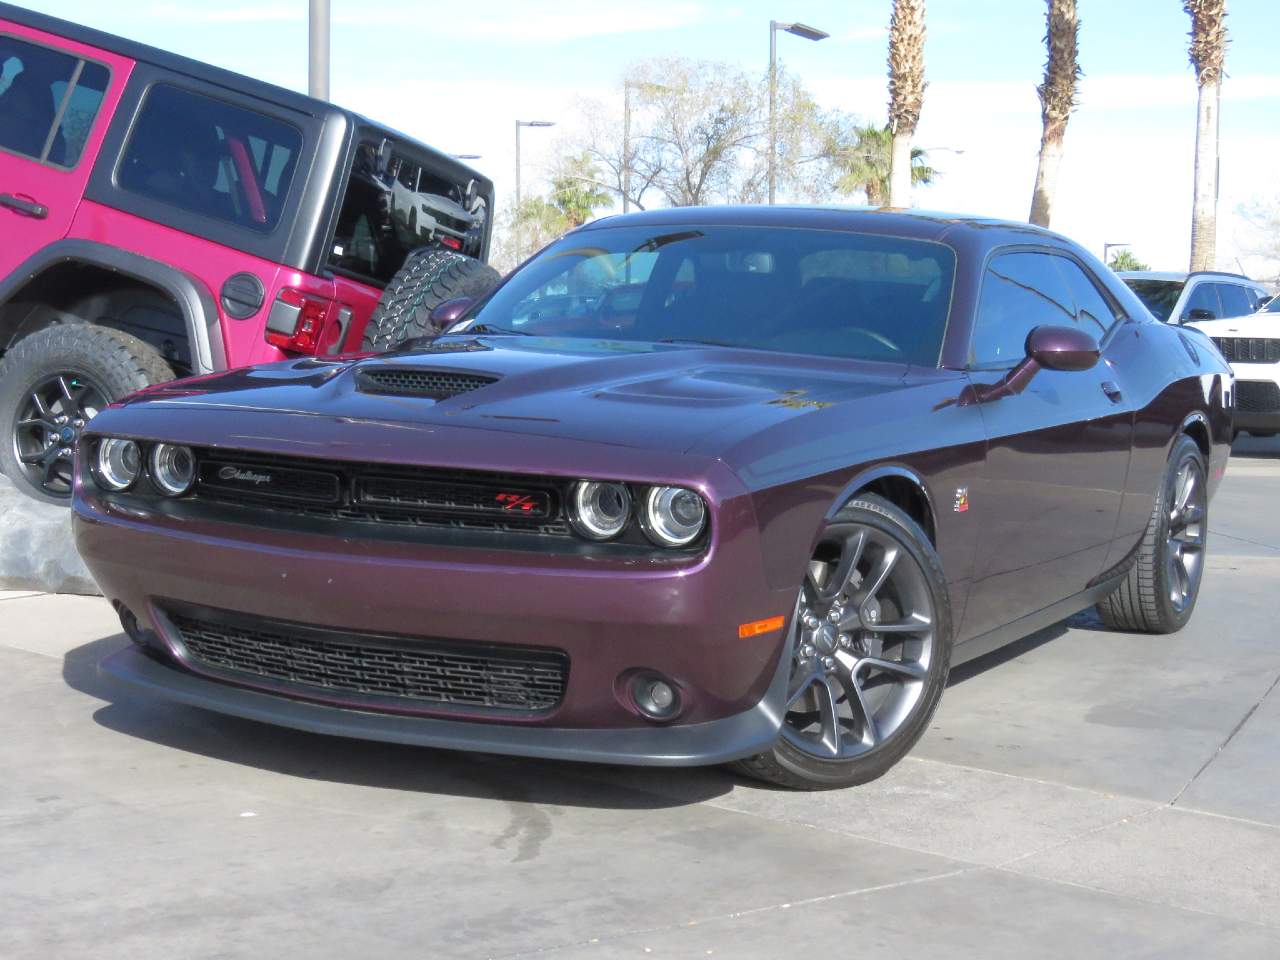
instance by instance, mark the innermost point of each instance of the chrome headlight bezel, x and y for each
(166, 469)
(589, 514)
(661, 522)
(110, 467)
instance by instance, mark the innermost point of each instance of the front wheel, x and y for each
(871, 652)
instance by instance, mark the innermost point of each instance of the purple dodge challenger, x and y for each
(690, 487)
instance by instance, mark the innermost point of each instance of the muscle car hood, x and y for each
(639, 395)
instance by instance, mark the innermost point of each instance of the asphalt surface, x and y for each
(1080, 794)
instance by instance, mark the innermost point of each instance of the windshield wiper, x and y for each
(490, 328)
(703, 343)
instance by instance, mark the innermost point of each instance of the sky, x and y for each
(458, 76)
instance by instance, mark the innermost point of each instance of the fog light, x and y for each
(655, 697)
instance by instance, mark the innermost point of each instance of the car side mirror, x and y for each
(1047, 348)
(448, 313)
(1199, 313)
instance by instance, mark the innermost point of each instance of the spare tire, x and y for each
(429, 277)
(51, 384)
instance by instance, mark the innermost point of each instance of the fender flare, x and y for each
(194, 300)
(879, 472)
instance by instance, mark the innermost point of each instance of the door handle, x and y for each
(1112, 391)
(30, 207)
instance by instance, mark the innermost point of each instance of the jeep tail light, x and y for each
(453, 243)
(302, 322)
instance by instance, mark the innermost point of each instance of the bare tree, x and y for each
(1207, 51)
(602, 141)
(1262, 234)
(906, 91)
(1057, 100)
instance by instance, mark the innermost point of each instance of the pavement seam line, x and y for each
(738, 914)
(1230, 736)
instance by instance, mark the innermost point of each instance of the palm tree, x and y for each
(1057, 100)
(1207, 50)
(906, 92)
(864, 164)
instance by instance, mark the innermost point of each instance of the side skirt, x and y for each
(1023, 626)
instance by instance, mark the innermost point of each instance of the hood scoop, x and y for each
(416, 382)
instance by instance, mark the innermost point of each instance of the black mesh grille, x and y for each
(1249, 349)
(407, 382)
(400, 497)
(373, 670)
(1257, 396)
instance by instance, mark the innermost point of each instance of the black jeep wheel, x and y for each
(53, 383)
(429, 277)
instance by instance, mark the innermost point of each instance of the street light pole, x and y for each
(799, 30)
(626, 145)
(318, 50)
(519, 124)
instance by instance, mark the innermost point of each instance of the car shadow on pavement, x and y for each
(390, 766)
(1011, 651)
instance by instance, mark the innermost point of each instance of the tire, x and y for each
(1145, 601)
(429, 277)
(799, 766)
(76, 368)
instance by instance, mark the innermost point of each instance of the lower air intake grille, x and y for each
(434, 384)
(370, 670)
(1257, 396)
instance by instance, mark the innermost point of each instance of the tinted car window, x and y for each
(48, 100)
(818, 292)
(1204, 296)
(1094, 313)
(1236, 301)
(1021, 291)
(211, 158)
(1158, 296)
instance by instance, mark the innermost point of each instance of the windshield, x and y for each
(1273, 306)
(1159, 296)
(820, 292)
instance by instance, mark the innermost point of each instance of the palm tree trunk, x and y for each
(1057, 100)
(1204, 209)
(906, 92)
(900, 170)
(1046, 179)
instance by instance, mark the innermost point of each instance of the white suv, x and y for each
(1206, 295)
(1252, 346)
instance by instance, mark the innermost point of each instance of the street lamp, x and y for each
(318, 50)
(799, 30)
(519, 124)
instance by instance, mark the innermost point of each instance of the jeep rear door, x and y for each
(55, 96)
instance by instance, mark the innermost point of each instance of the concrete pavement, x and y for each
(1081, 793)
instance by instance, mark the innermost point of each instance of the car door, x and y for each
(49, 99)
(1058, 453)
(1235, 299)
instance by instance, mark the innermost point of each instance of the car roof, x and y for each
(924, 224)
(1183, 276)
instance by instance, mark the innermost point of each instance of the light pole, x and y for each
(1106, 251)
(799, 30)
(318, 50)
(519, 124)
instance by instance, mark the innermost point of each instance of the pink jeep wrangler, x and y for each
(160, 217)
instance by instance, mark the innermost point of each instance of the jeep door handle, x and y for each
(30, 207)
(1112, 391)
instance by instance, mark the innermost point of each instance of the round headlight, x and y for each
(673, 516)
(599, 510)
(173, 469)
(117, 464)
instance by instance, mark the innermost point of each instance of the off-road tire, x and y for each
(1141, 603)
(787, 766)
(115, 363)
(428, 278)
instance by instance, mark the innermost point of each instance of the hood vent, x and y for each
(414, 382)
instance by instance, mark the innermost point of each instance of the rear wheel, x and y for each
(429, 277)
(1160, 591)
(872, 646)
(52, 384)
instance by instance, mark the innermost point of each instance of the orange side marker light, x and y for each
(757, 627)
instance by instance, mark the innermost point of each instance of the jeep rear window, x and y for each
(211, 158)
(48, 100)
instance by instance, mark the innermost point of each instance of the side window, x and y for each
(1236, 301)
(48, 100)
(210, 157)
(1021, 291)
(1093, 312)
(1204, 296)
